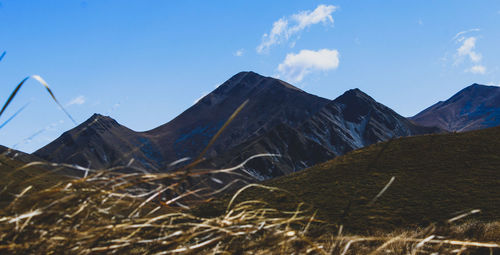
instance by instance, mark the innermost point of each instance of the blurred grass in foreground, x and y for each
(110, 212)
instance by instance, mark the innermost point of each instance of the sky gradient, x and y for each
(144, 62)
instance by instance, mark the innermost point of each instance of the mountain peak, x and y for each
(475, 92)
(96, 117)
(474, 107)
(248, 80)
(354, 97)
(270, 102)
(475, 86)
(99, 122)
(355, 92)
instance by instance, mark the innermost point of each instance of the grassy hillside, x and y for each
(437, 177)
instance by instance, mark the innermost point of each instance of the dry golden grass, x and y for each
(109, 212)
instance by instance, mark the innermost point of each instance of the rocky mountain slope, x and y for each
(474, 107)
(271, 102)
(101, 142)
(351, 121)
(279, 118)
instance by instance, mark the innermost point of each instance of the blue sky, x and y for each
(144, 62)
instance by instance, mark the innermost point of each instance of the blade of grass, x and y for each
(235, 113)
(13, 116)
(44, 83)
(214, 138)
(382, 191)
(13, 94)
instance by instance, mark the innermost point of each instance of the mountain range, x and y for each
(279, 118)
(100, 142)
(351, 121)
(474, 107)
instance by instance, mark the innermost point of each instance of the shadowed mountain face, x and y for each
(101, 142)
(271, 102)
(279, 118)
(351, 121)
(354, 120)
(475, 107)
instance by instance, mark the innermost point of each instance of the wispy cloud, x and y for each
(467, 52)
(79, 100)
(467, 49)
(277, 34)
(51, 127)
(239, 53)
(114, 107)
(296, 66)
(477, 69)
(460, 35)
(286, 27)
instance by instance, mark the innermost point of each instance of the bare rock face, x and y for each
(475, 107)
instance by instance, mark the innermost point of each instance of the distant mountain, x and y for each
(354, 120)
(475, 107)
(351, 121)
(100, 142)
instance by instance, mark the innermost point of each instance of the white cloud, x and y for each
(277, 33)
(285, 28)
(296, 66)
(467, 52)
(79, 100)
(239, 53)
(467, 49)
(304, 19)
(477, 69)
